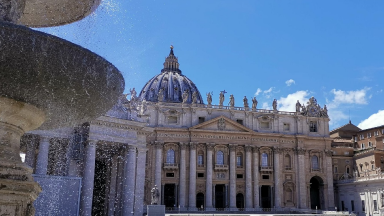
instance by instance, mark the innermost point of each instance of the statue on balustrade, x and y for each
(221, 101)
(231, 101)
(254, 103)
(245, 100)
(298, 106)
(274, 105)
(209, 98)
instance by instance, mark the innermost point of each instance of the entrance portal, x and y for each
(220, 196)
(315, 192)
(240, 200)
(169, 195)
(200, 200)
(265, 194)
(98, 201)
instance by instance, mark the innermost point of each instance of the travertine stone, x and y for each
(42, 157)
(129, 180)
(192, 176)
(248, 177)
(232, 176)
(88, 179)
(183, 175)
(140, 175)
(208, 183)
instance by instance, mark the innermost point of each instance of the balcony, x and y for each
(171, 166)
(266, 169)
(288, 168)
(221, 167)
(315, 170)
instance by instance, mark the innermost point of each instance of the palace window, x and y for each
(312, 126)
(369, 135)
(220, 158)
(369, 144)
(347, 169)
(362, 205)
(264, 159)
(240, 121)
(264, 125)
(200, 159)
(352, 205)
(315, 162)
(239, 160)
(362, 146)
(201, 119)
(287, 162)
(286, 127)
(172, 119)
(374, 205)
(170, 156)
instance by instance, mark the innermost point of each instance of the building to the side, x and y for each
(357, 163)
(202, 157)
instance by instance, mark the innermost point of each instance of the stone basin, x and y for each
(46, 13)
(70, 84)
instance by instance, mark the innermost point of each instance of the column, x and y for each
(140, 181)
(232, 177)
(192, 176)
(330, 191)
(208, 184)
(302, 183)
(42, 157)
(276, 174)
(248, 178)
(256, 187)
(31, 149)
(158, 164)
(183, 174)
(129, 180)
(112, 186)
(88, 179)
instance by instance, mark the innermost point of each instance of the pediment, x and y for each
(221, 123)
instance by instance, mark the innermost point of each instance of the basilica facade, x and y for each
(202, 157)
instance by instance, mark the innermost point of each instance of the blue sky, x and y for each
(288, 50)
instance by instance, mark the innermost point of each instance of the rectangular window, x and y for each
(355, 138)
(362, 205)
(362, 146)
(369, 135)
(265, 176)
(200, 160)
(240, 121)
(201, 120)
(286, 127)
(312, 126)
(200, 175)
(239, 161)
(239, 176)
(374, 205)
(264, 125)
(369, 144)
(170, 175)
(352, 205)
(172, 119)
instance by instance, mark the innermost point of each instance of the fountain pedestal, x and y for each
(17, 188)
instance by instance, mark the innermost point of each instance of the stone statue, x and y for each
(133, 93)
(231, 101)
(160, 96)
(209, 98)
(185, 96)
(298, 106)
(254, 103)
(221, 101)
(325, 111)
(245, 100)
(274, 105)
(155, 195)
(194, 97)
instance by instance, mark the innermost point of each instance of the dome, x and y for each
(171, 83)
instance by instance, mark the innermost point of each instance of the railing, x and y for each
(171, 166)
(221, 167)
(288, 168)
(200, 165)
(315, 170)
(266, 168)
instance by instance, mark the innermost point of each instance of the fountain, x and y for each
(46, 83)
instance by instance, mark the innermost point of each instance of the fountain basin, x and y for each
(70, 84)
(46, 13)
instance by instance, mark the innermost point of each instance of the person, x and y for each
(274, 104)
(245, 100)
(155, 195)
(254, 103)
(209, 98)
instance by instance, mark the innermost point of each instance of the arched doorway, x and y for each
(169, 195)
(240, 200)
(200, 200)
(316, 192)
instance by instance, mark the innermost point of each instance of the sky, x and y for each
(284, 50)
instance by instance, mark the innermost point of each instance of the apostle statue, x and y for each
(245, 101)
(155, 195)
(221, 101)
(274, 105)
(254, 103)
(160, 96)
(133, 93)
(209, 98)
(298, 106)
(194, 97)
(325, 111)
(185, 96)
(231, 101)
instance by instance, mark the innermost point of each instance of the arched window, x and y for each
(220, 158)
(200, 159)
(170, 156)
(315, 162)
(239, 160)
(264, 159)
(287, 161)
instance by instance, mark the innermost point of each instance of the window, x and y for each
(170, 175)
(369, 135)
(355, 138)
(264, 159)
(172, 119)
(347, 170)
(264, 125)
(376, 133)
(170, 156)
(373, 167)
(200, 175)
(352, 205)
(361, 136)
(240, 121)
(220, 158)
(335, 169)
(201, 120)
(286, 127)
(312, 126)
(362, 205)
(369, 144)
(200, 159)
(239, 176)
(315, 162)
(265, 176)
(374, 205)
(287, 161)
(239, 160)
(362, 146)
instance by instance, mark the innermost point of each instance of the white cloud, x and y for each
(290, 82)
(289, 103)
(268, 93)
(350, 97)
(258, 91)
(374, 120)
